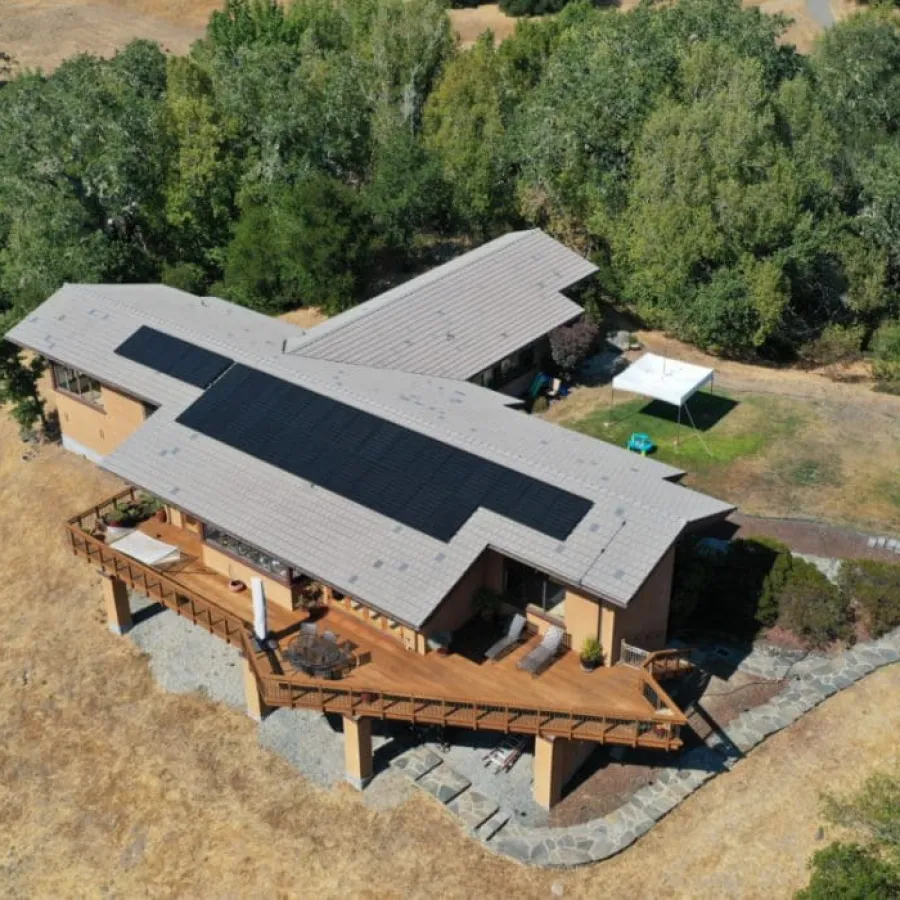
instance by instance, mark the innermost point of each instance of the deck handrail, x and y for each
(237, 632)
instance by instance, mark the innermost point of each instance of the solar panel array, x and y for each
(172, 356)
(416, 480)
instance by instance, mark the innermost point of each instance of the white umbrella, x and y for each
(260, 626)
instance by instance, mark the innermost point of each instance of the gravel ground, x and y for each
(512, 789)
(184, 658)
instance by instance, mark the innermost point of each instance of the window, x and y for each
(71, 381)
(244, 552)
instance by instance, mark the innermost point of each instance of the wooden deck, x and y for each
(621, 704)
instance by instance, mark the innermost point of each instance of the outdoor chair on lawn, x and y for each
(539, 658)
(509, 640)
(308, 628)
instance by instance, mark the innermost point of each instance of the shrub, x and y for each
(591, 650)
(531, 7)
(849, 872)
(875, 588)
(811, 606)
(725, 593)
(540, 404)
(836, 344)
(570, 345)
(886, 356)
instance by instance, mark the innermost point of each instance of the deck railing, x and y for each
(658, 730)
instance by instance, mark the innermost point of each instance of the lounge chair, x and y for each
(540, 657)
(330, 636)
(308, 628)
(509, 640)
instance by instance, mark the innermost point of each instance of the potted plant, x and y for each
(235, 585)
(119, 517)
(591, 654)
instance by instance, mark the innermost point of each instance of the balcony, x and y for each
(617, 705)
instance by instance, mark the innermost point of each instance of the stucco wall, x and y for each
(99, 430)
(220, 562)
(645, 621)
(582, 618)
(458, 607)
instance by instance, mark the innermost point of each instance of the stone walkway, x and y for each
(813, 678)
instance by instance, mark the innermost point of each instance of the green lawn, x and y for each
(726, 429)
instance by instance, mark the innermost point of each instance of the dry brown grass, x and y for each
(304, 317)
(838, 452)
(107, 784)
(470, 23)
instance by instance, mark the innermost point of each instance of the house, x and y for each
(379, 496)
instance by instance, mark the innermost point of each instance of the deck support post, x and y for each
(256, 708)
(556, 760)
(358, 750)
(548, 771)
(118, 610)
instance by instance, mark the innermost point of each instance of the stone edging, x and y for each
(814, 679)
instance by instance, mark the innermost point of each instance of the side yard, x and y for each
(833, 455)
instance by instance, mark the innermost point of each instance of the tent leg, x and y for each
(678, 428)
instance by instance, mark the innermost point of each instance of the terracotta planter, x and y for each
(236, 586)
(161, 515)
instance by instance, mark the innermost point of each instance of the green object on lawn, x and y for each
(641, 443)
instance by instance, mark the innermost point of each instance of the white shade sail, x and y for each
(669, 380)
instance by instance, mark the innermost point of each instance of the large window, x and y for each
(244, 552)
(526, 586)
(509, 368)
(79, 385)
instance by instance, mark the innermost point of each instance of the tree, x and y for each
(19, 381)
(850, 872)
(306, 244)
(570, 345)
(464, 128)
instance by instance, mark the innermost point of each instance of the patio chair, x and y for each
(540, 657)
(509, 640)
(330, 636)
(308, 628)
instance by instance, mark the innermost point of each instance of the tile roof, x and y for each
(636, 512)
(461, 317)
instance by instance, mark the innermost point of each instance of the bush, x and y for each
(875, 589)
(531, 7)
(886, 356)
(570, 345)
(540, 404)
(836, 344)
(725, 593)
(811, 606)
(850, 872)
(591, 650)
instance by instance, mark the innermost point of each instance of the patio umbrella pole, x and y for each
(260, 624)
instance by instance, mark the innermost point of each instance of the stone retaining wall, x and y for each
(814, 678)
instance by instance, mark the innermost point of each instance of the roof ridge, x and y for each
(401, 291)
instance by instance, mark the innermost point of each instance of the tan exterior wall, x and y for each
(582, 618)
(220, 562)
(645, 621)
(458, 607)
(556, 760)
(99, 430)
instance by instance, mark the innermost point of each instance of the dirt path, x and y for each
(109, 785)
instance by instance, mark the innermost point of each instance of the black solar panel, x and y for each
(416, 480)
(173, 356)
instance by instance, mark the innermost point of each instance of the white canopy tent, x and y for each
(669, 380)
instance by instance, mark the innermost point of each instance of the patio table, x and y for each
(316, 655)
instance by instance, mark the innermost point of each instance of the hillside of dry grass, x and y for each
(109, 785)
